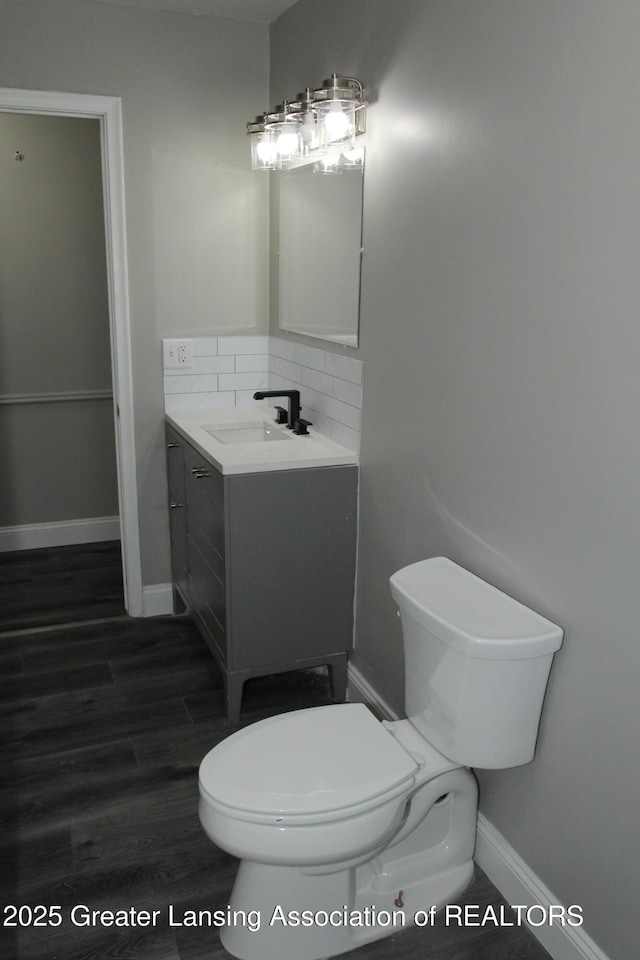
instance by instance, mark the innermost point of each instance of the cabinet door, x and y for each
(207, 600)
(175, 461)
(205, 496)
(177, 509)
(291, 564)
(206, 549)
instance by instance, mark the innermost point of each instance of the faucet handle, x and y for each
(300, 427)
(281, 415)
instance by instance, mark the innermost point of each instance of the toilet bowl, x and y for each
(339, 798)
(316, 804)
(348, 827)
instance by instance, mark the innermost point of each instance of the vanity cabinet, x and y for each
(265, 564)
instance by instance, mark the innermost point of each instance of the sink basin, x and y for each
(260, 431)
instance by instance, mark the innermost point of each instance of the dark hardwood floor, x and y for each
(104, 722)
(60, 585)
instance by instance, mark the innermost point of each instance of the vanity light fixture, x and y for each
(321, 125)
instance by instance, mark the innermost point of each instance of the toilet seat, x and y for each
(307, 766)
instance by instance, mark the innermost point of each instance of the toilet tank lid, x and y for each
(470, 614)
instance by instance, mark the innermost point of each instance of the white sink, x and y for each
(240, 440)
(260, 431)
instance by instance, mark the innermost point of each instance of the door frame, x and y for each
(108, 110)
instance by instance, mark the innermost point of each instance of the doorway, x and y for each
(107, 110)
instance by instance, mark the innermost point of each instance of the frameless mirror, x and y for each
(320, 251)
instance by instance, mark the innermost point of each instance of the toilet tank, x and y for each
(476, 664)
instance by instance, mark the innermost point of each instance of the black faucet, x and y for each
(294, 402)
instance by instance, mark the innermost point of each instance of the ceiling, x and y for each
(262, 11)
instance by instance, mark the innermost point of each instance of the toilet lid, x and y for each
(306, 762)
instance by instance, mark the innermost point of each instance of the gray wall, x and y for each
(196, 217)
(58, 458)
(502, 390)
(499, 321)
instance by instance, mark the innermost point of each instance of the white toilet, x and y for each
(347, 827)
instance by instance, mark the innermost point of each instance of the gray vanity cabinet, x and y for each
(265, 563)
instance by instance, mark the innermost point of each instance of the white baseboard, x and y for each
(63, 533)
(519, 884)
(157, 600)
(505, 868)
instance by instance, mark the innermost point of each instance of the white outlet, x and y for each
(176, 353)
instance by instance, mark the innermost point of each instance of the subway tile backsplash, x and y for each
(226, 371)
(330, 387)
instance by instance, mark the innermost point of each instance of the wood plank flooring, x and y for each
(60, 585)
(104, 724)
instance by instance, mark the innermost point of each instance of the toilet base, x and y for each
(311, 913)
(298, 928)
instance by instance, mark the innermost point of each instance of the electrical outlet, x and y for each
(176, 353)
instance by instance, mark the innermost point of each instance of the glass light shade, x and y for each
(340, 159)
(352, 159)
(288, 141)
(264, 152)
(337, 123)
(329, 163)
(309, 133)
(315, 125)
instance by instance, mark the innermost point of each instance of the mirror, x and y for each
(320, 252)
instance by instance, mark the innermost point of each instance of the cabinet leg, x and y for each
(233, 685)
(338, 678)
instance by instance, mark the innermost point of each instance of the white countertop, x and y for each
(293, 453)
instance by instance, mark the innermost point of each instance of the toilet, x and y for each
(349, 829)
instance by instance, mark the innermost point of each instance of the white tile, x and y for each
(226, 371)
(244, 345)
(204, 347)
(193, 401)
(346, 436)
(309, 356)
(282, 383)
(244, 398)
(347, 391)
(344, 367)
(342, 412)
(284, 368)
(243, 381)
(321, 424)
(251, 363)
(176, 384)
(194, 384)
(281, 348)
(316, 380)
(311, 399)
(204, 365)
